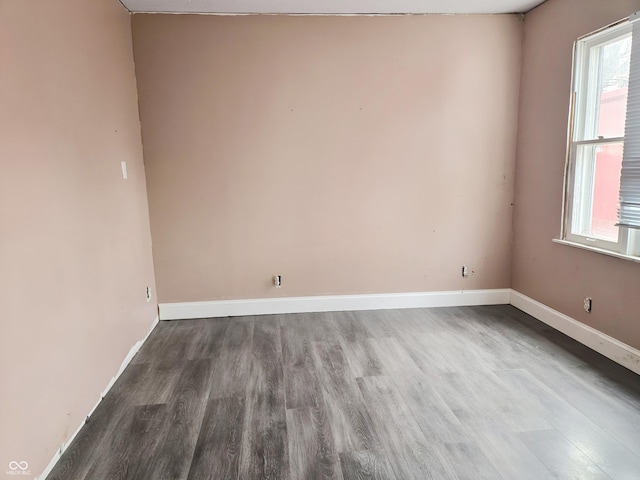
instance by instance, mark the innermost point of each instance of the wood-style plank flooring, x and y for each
(444, 393)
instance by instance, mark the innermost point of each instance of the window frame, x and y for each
(628, 242)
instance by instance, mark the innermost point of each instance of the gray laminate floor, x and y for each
(448, 393)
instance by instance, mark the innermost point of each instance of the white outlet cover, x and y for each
(124, 170)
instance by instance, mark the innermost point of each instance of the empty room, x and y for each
(320, 239)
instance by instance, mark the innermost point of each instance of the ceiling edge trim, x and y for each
(301, 14)
(125, 7)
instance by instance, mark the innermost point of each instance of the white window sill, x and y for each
(597, 250)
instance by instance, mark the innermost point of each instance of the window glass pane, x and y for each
(596, 189)
(609, 80)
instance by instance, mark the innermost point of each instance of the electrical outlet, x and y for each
(277, 281)
(588, 303)
(465, 271)
(148, 294)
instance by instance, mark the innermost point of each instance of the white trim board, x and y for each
(602, 343)
(123, 365)
(337, 303)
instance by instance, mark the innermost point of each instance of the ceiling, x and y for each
(332, 6)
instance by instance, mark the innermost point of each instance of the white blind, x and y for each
(629, 212)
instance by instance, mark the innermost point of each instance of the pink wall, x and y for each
(348, 154)
(557, 275)
(75, 242)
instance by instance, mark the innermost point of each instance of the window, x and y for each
(600, 143)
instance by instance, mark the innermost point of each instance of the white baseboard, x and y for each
(123, 365)
(602, 343)
(337, 303)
